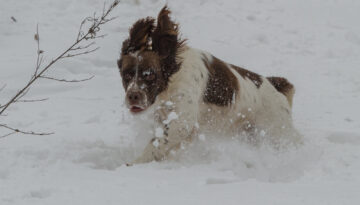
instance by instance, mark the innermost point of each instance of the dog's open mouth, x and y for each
(136, 109)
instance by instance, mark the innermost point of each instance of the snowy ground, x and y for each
(315, 44)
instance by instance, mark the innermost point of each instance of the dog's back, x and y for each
(233, 100)
(283, 86)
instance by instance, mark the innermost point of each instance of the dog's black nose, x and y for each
(135, 98)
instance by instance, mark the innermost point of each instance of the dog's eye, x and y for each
(127, 76)
(149, 75)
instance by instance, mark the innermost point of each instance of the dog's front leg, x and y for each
(174, 124)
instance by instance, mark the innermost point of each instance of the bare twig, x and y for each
(27, 101)
(68, 81)
(83, 47)
(70, 55)
(76, 49)
(36, 100)
(91, 34)
(22, 95)
(39, 52)
(11, 133)
(23, 132)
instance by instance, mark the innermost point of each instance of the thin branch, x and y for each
(36, 100)
(67, 81)
(24, 132)
(39, 52)
(96, 37)
(103, 11)
(81, 32)
(91, 34)
(83, 47)
(22, 95)
(11, 133)
(69, 55)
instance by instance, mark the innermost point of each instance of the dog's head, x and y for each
(148, 59)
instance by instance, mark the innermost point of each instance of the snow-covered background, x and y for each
(315, 44)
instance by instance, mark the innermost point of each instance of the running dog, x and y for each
(190, 91)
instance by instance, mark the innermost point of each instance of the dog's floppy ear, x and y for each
(139, 38)
(165, 36)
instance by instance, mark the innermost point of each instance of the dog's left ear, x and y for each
(165, 39)
(139, 38)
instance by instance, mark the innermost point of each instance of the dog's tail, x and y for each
(283, 86)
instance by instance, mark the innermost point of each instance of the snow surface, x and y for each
(315, 44)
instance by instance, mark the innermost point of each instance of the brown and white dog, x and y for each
(190, 91)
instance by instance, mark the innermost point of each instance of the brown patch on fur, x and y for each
(127, 62)
(283, 86)
(139, 36)
(255, 78)
(166, 42)
(222, 84)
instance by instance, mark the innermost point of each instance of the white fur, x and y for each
(263, 110)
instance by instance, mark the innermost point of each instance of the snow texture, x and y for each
(172, 116)
(315, 44)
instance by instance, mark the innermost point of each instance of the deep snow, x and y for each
(315, 44)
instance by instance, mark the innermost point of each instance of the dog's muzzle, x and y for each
(136, 101)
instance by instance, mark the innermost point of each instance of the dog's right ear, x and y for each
(165, 36)
(139, 38)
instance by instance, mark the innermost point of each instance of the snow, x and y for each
(315, 44)
(145, 73)
(156, 142)
(169, 103)
(172, 116)
(159, 132)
